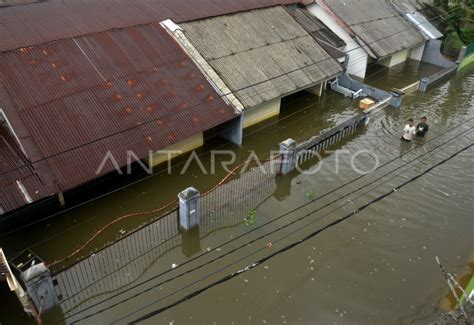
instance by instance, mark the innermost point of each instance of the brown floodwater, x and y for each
(378, 267)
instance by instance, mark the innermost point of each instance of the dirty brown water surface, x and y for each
(377, 267)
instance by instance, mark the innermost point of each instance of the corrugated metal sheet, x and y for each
(378, 24)
(424, 8)
(317, 29)
(37, 23)
(413, 5)
(3, 267)
(106, 85)
(261, 54)
(424, 25)
(6, 3)
(11, 194)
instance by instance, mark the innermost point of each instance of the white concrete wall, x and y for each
(417, 52)
(261, 112)
(357, 56)
(395, 59)
(184, 146)
(316, 90)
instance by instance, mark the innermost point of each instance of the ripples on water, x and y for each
(376, 268)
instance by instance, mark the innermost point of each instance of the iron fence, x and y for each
(309, 149)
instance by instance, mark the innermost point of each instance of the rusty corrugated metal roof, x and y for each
(16, 186)
(38, 23)
(3, 268)
(75, 71)
(65, 94)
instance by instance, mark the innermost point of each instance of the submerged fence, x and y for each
(308, 149)
(427, 82)
(134, 258)
(432, 54)
(116, 267)
(231, 202)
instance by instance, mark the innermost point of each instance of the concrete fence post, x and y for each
(462, 53)
(288, 156)
(62, 201)
(189, 208)
(396, 100)
(40, 287)
(423, 85)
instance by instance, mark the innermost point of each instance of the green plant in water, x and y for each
(250, 219)
(311, 195)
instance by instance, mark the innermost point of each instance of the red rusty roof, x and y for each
(16, 186)
(38, 23)
(62, 95)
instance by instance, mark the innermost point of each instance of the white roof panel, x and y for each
(424, 25)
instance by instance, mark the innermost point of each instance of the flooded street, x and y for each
(376, 267)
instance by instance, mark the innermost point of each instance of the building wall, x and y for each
(357, 56)
(395, 59)
(184, 146)
(316, 90)
(261, 112)
(432, 54)
(417, 52)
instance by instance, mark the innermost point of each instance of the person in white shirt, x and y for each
(409, 131)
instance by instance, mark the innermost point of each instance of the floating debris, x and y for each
(250, 219)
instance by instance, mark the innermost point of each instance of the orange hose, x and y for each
(101, 230)
(138, 214)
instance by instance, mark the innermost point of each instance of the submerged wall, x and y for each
(182, 147)
(316, 90)
(432, 54)
(395, 59)
(417, 52)
(261, 112)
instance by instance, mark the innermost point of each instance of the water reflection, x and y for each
(378, 268)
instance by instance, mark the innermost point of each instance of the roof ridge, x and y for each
(70, 24)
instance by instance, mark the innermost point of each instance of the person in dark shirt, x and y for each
(422, 128)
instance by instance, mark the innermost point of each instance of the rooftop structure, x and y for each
(31, 22)
(423, 16)
(317, 29)
(382, 29)
(261, 54)
(71, 102)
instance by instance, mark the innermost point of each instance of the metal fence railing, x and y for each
(116, 267)
(308, 149)
(231, 202)
(122, 264)
(128, 261)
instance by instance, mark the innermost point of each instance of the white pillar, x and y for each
(189, 208)
(40, 288)
(288, 156)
